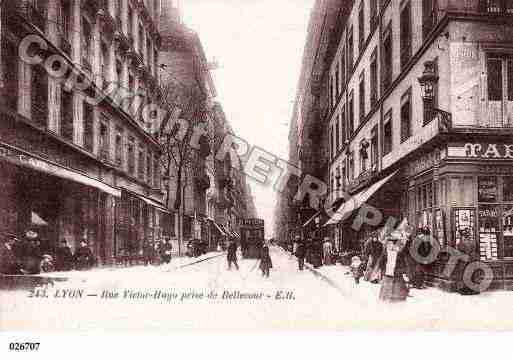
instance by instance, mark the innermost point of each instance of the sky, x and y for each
(258, 45)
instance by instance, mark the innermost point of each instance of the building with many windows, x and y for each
(415, 97)
(79, 159)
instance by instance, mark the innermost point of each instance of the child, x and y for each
(356, 268)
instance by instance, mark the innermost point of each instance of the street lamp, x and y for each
(428, 81)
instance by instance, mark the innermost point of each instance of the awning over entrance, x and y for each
(25, 159)
(357, 200)
(323, 217)
(219, 229)
(151, 203)
(312, 219)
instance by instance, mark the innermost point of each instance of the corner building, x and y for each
(439, 155)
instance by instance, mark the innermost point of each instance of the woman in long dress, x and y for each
(393, 286)
(373, 250)
(265, 261)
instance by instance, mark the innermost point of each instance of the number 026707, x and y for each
(23, 346)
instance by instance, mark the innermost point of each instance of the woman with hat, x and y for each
(393, 286)
(373, 251)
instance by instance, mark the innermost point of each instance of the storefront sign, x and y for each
(488, 212)
(20, 158)
(488, 150)
(423, 163)
(251, 222)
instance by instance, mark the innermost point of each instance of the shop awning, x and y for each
(311, 219)
(35, 219)
(220, 230)
(22, 158)
(323, 217)
(152, 203)
(357, 200)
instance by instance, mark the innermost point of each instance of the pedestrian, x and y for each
(294, 244)
(265, 261)
(301, 254)
(166, 251)
(327, 251)
(32, 254)
(244, 247)
(83, 258)
(373, 251)
(232, 255)
(468, 247)
(393, 287)
(356, 269)
(63, 257)
(9, 264)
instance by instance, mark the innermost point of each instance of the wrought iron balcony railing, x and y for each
(497, 7)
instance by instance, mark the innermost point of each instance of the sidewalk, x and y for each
(340, 277)
(14, 282)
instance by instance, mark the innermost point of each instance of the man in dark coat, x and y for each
(64, 257)
(301, 254)
(265, 261)
(32, 254)
(232, 255)
(8, 261)
(166, 251)
(84, 258)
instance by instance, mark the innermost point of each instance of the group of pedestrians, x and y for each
(33, 255)
(392, 262)
(318, 252)
(265, 261)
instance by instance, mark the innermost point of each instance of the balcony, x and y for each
(497, 7)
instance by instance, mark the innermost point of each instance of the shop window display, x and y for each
(487, 189)
(488, 231)
(508, 189)
(464, 221)
(507, 230)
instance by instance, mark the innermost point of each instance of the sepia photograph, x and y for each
(255, 165)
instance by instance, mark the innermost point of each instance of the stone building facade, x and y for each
(437, 154)
(79, 158)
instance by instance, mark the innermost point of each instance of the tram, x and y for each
(251, 237)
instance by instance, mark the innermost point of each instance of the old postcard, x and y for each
(255, 165)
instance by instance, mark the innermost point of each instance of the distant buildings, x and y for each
(406, 105)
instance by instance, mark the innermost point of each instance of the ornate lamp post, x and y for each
(428, 81)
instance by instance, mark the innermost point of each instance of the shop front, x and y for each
(468, 195)
(142, 225)
(56, 202)
(351, 230)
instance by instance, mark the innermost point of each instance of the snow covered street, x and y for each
(206, 295)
